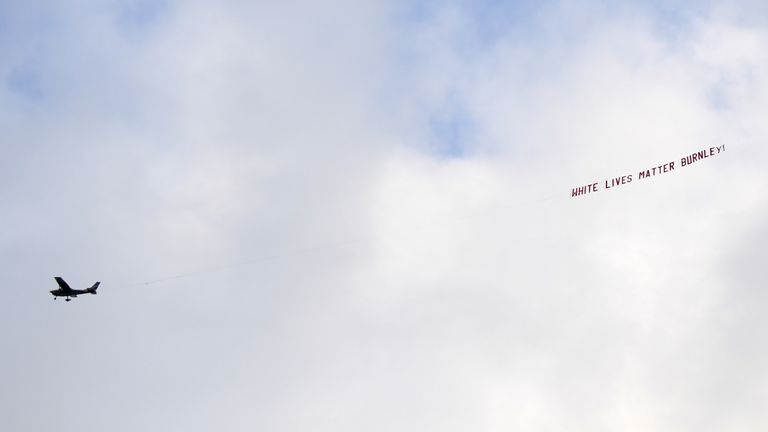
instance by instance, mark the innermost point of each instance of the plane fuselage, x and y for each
(73, 293)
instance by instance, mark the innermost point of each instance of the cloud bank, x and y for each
(368, 206)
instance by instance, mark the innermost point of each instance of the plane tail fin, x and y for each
(93, 289)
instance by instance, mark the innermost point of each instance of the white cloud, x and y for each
(345, 272)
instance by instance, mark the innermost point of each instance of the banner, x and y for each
(646, 173)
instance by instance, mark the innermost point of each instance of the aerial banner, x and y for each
(647, 173)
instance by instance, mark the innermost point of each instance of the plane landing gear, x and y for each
(67, 299)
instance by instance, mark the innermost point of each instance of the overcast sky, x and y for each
(357, 216)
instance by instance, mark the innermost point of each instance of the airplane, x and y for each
(65, 291)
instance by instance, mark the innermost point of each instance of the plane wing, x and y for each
(62, 284)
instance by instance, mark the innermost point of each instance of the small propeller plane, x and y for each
(65, 291)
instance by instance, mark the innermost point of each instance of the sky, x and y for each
(345, 216)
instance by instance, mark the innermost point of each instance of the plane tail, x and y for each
(93, 289)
